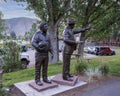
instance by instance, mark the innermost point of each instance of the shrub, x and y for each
(2, 92)
(93, 74)
(80, 66)
(11, 56)
(104, 69)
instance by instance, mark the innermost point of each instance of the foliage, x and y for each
(13, 35)
(96, 70)
(93, 74)
(104, 69)
(80, 66)
(29, 35)
(11, 56)
(99, 14)
(2, 63)
(2, 92)
(2, 25)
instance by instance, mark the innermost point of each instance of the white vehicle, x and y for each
(91, 50)
(24, 57)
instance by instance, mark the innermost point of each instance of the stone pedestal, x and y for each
(24, 88)
(58, 79)
(44, 86)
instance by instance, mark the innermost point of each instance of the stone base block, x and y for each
(58, 79)
(24, 89)
(43, 87)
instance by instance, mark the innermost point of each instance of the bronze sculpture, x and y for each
(69, 46)
(41, 43)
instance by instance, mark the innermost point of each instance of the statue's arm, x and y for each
(81, 30)
(35, 41)
(67, 39)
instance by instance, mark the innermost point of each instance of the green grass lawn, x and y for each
(28, 74)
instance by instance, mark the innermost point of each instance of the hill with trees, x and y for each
(19, 26)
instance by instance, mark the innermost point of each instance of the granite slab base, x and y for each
(24, 89)
(45, 86)
(58, 79)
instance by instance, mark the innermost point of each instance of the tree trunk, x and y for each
(82, 37)
(81, 45)
(55, 44)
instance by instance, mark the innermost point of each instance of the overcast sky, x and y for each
(11, 9)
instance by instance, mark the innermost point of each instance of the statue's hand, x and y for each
(42, 44)
(78, 42)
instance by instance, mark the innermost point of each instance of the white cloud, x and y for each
(20, 13)
(12, 10)
(2, 1)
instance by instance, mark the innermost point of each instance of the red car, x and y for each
(103, 50)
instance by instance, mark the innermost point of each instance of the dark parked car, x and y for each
(103, 50)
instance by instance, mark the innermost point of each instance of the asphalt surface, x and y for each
(31, 54)
(111, 89)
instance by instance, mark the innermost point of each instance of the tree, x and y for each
(2, 25)
(29, 35)
(13, 35)
(101, 15)
(11, 56)
(53, 12)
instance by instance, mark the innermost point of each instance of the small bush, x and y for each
(11, 56)
(80, 67)
(104, 69)
(93, 74)
(2, 92)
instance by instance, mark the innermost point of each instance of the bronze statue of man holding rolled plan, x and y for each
(41, 43)
(69, 46)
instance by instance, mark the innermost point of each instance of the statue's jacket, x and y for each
(41, 42)
(69, 40)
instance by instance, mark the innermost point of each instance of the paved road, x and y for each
(31, 54)
(112, 89)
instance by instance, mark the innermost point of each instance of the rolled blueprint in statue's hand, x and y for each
(43, 45)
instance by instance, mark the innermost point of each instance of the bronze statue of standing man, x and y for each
(69, 46)
(41, 43)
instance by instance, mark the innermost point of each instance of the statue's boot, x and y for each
(39, 83)
(47, 81)
(69, 75)
(67, 78)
